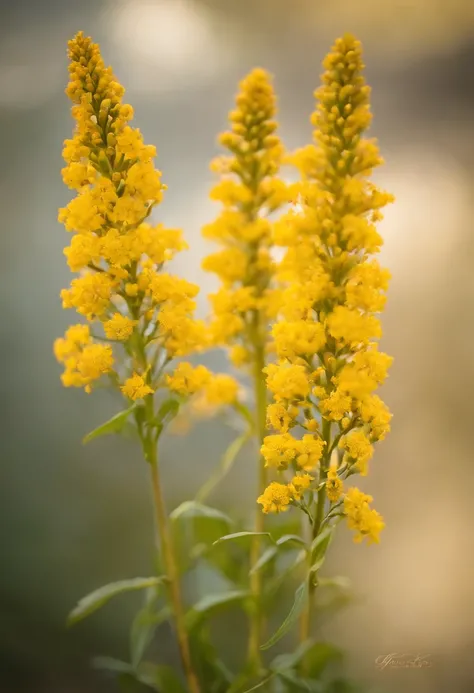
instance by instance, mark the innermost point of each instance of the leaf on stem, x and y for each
(193, 509)
(260, 684)
(158, 677)
(113, 425)
(288, 538)
(225, 466)
(295, 683)
(168, 409)
(316, 656)
(213, 603)
(112, 664)
(266, 557)
(242, 535)
(301, 596)
(95, 600)
(196, 523)
(143, 629)
(321, 544)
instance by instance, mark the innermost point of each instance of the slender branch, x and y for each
(256, 623)
(168, 553)
(305, 623)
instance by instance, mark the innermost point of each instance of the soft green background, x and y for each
(74, 517)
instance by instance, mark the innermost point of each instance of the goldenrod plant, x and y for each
(243, 307)
(304, 329)
(131, 304)
(325, 414)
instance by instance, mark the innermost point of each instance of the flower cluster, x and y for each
(326, 335)
(119, 255)
(249, 191)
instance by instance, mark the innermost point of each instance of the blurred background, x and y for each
(75, 517)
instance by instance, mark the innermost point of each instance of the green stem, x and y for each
(305, 623)
(168, 553)
(256, 622)
(149, 438)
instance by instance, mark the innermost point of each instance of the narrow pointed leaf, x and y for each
(301, 596)
(296, 684)
(95, 600)
(112, 664)
(316, 655)
(113, 425)
(242, 535)
(259, 685)
(194, 509)
(168, 409)
(264, 559)
(212, 603)
(159, 677)
(291, 538)
(143, 629)
(321, 543)
(225, 466)
(339, 581)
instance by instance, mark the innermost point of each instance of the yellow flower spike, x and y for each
(120, 257)
(248, 299)
(248, 191)
(333, 290)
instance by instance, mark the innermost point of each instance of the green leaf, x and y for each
(273, 585)
(288, 538)
(316, 566)
(321, 544)
(242, 535)
(212, 603)
(95, 600)
(113, 425)
(316, 656)
(301, 596)
(169, 408)
(225, 466)
(295, 683)
(194, 528)
(194, 523)
(260, 684)
(264, 559)
(112, 664)
(192, 509)
(143, 629)
(160, 677)
(285, 662)
(319, 656)
(339, 582)
(245, 412)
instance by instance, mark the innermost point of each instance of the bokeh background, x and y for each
(75, 517)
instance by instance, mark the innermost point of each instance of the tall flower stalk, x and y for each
(139, 317)
(325, 414)
(249, 191)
